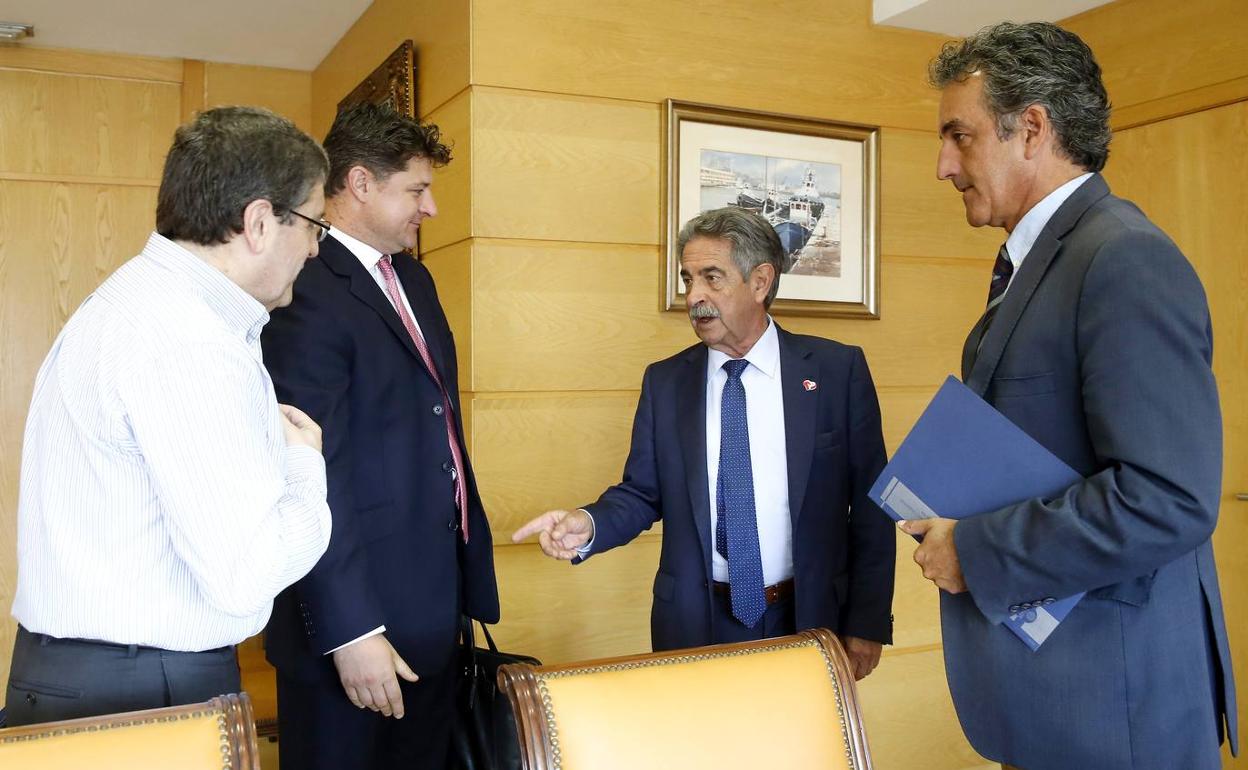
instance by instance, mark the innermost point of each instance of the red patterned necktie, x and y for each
(457, 454)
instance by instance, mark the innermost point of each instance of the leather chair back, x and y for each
(220, 733)
(784, 702)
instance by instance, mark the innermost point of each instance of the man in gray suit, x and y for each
(1096, 341)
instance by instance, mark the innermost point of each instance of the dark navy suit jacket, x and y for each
(340, 353)
(1101, 351)
(843, 546)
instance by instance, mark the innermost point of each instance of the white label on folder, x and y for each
(904, 502)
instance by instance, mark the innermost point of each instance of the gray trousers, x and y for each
(53, 679)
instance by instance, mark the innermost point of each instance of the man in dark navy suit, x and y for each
(1096, 340)
(756, 448)
(368, 638)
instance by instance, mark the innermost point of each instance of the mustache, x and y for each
(703, 310)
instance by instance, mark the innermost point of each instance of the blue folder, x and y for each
(963, 458)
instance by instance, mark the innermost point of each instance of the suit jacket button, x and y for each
(448, 466)
(1049, 600)
(1014, 608)
(437, 409)
(453, 524)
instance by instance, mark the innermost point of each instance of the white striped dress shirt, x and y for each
(159, 503)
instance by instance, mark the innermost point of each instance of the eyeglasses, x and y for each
(322, 227)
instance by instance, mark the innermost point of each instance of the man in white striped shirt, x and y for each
(166, 497)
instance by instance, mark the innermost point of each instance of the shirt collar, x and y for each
(764, 356)
(1028, 229)
(241, 312)
(368, 256)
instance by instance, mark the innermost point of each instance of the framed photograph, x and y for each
(815, 181)
(393, 83)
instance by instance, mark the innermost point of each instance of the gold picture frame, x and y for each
(816, 181)
(391, 84)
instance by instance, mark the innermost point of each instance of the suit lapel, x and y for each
(691, 433)
(971, 345)
(800, 410)
(1020, 292)
(342, 262)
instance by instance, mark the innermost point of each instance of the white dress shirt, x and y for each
(1028, 228)
(764, 409)
(159, 504)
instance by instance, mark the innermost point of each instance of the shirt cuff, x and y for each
(305, 465)
(589, 546)
(374, 632)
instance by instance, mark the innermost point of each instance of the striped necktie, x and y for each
(1002, 269)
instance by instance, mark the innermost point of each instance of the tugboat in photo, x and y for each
(748, 200)
(810, 194)
(793, 235)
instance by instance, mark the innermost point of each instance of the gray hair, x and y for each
(1036, 63)
(754, 241)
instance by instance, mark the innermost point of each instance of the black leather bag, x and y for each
(484, 736)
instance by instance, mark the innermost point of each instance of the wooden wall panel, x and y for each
(909, 715)
(565, 168)
(57, 243)
(1188, 175)
(559, 613)
(452, 184)
(74, 126)
(74, 62)
(920, 215)
(596, 306)
(819, 59)
(439, 29)
(536, 452)
(1155, 50)
(286, 92)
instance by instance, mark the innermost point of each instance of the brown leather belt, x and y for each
(774, 593)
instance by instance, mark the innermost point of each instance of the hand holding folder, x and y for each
(964, 458)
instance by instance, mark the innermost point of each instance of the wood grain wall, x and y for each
(546, 248)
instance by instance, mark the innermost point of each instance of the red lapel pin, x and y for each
(810, 384)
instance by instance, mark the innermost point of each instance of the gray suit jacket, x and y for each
(1101, 351)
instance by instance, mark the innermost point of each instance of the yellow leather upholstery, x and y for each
(787, 702)
(214, 735)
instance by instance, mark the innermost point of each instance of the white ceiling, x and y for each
(959, 18)
(297, 34)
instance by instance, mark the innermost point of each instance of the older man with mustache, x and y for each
(756, 448)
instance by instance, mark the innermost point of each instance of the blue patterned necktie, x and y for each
(736, 526)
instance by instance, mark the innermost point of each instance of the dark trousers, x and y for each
(778, 620)
(53, 679)
(320, 729)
